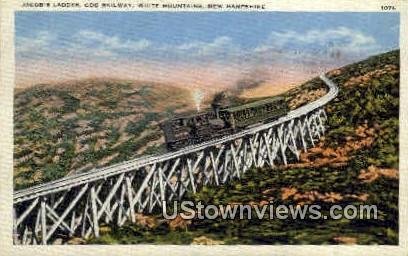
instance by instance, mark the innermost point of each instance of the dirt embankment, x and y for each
(306, 97)
(323, 155)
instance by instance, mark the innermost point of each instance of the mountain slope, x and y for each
(71, 127)
(79, 125)
(355, 163)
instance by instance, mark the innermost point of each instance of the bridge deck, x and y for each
(103, 173)
(77, 205)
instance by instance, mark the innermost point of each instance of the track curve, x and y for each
(103, 173)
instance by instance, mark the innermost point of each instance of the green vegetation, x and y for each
(59, 130)
(363, 124)
(138, 127)
(62, 129)
(252, 189)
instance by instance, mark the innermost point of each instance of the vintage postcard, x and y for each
(219, 127)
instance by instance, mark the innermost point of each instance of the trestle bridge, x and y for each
(77, 205)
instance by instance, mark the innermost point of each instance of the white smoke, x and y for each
(198, 96)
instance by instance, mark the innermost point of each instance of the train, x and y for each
(219, 121)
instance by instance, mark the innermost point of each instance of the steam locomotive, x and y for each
(186, 130)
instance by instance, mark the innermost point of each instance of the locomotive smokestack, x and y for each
(216, 108)
(217, 102)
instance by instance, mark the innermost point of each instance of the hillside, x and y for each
(75, 126)
(355, 163)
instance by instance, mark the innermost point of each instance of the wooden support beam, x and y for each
(302, 134)
(143, 185)
(52, 215)
(73, 220)
(43, 221)
(191, 175)
(162, 188)
(253, 153)
(151, 192)
(307, 123)
(130, 199)
(95, 219)
(215, 169)
(37, 226)
(268, 149)
(65, 213)
(236, 165)
(118, 196)
(85, 216)
(282, 145)
(26, 212)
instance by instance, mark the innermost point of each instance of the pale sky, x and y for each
(197, 49)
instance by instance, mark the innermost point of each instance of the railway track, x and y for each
(75, 205)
